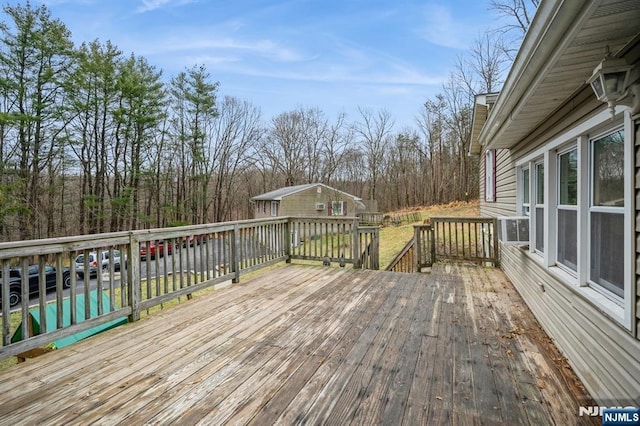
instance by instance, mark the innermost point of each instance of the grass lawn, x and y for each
(393, 238)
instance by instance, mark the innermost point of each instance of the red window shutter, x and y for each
(344, 208)
(330, 208)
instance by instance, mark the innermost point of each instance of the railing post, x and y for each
(417, 247)
(132, 263)
(432, 242)
(357, 255)
(287, 240)
(235, 250)
(375, 261)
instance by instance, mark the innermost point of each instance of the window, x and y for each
(586, 239)
(606, 213)
(490, 176)
(567, 219)
(338, 208)
(274, 208)
(539, 207)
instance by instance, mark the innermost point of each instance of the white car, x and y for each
(95, 259)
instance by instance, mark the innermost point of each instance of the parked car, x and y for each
(15, 281)
(192, 240)
(97, 262)
(154, 247)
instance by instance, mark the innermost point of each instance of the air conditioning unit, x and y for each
(319, 206)
(514, 230)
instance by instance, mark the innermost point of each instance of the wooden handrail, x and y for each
(185, 259)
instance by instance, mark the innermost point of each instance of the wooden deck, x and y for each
(302, 344)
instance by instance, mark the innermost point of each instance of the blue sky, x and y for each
(284, 54)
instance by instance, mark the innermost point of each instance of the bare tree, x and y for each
(517, 15)
(235, 131)
(374, 130)
(518, 12)
(482, 71)
(296, 143)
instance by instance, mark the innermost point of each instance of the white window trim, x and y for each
(520, 193)
(566, 207)
(629, 223)
(622, 312)
(490, 176)
(533, 197)
(274, 208)
(341, 208)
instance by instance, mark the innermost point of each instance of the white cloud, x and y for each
(440, 28)
(149, 5)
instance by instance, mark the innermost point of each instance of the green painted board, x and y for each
(51, 312)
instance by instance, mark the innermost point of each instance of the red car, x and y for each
(152, 248)
(193, 239)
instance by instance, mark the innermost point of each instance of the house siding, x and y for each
(637, 222)
(505, 197)
(603, 355)
(303, 203)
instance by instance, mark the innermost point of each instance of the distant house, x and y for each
(314, 199)
(564, 167)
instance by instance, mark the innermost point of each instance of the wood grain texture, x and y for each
(311, 345)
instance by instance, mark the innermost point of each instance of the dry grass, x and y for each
(393, 238)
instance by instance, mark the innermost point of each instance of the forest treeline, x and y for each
(96, 140)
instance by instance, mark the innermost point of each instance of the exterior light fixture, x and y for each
(610, 83)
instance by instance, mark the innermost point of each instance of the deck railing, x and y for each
(371, 218)
(138, 270)
(473, 239)
(458, 239)
(405, 260)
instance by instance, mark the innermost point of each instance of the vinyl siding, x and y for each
(303, 203)
(505, 204)
(637, 195)
(603, 355)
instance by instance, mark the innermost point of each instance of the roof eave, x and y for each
(545, 40)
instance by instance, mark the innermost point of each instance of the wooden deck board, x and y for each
(302, 344)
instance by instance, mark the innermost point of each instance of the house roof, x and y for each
(565, 42)
(279, 194)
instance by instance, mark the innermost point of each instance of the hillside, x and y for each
(393, 238)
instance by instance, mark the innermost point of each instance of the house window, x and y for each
(539, 207)
(338, 208)
(526, 206)
(589, 231)
(490, 176)
(606, 214)
(567, 219)
(274, 208)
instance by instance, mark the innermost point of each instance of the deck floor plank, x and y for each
(301, 344)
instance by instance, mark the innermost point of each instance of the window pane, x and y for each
(568, 238)
(540, 229)
(540, 184)
(608, 170)
(336, 208)
(569, 178)
(525, 186)
(607, 251)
